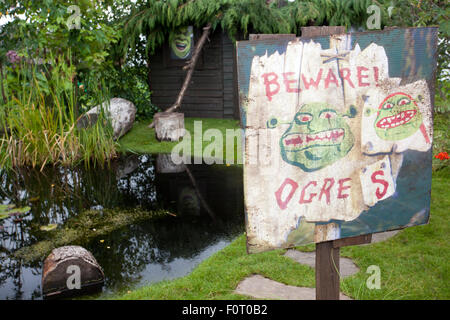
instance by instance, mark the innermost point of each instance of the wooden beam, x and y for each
(261, 36)
(352, 241)
(327, 255)
(327, 271)
(308, 32)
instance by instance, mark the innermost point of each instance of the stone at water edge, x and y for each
(169, 126)
(70, 267)
(164, 164)
(121, 112)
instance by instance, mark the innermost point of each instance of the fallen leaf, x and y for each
(6, 207)
(19, 211)
(48, 227)
(101, 241)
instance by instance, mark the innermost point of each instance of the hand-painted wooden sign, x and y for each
(338, 134)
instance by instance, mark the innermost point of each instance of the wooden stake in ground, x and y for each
(190, 67)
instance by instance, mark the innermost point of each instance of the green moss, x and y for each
(83, 228)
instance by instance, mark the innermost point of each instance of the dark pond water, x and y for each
(137, 254)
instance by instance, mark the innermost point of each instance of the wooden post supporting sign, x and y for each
(327, 265)
(327, 271)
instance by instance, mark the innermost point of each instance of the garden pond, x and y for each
(143, 218)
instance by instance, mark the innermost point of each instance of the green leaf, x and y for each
(49, 227)
(19, 211)
(5, 207)
(445, 27)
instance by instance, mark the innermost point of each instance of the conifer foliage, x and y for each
(157, 19)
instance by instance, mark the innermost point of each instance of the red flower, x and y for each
(442, 156)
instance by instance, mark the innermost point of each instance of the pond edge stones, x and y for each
(121, 112)
(71, 271)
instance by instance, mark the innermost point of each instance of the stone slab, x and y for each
(346, 267)
(259, 287)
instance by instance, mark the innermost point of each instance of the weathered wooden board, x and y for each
(214, 77)
(338, 133)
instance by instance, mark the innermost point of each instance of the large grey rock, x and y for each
(121, 112)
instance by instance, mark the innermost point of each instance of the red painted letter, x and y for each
(361, 76)
(283, 204)
(312, 195)
(288, 82)
(342, 188)
(315, 84)
(375, 75)
(331, 78)
(326, 189)
(273, 81)
(346, 76)
(378, 193)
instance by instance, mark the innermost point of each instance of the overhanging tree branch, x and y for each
(190, 66)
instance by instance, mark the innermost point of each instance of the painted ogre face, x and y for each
(181, 43)
(317, 137)
(398, 117)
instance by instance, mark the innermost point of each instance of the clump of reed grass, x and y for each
(40, 121)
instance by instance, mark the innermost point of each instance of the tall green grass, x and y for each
(40, 121)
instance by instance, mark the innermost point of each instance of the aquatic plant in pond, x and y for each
(83, 228)
(40, 120)
(10, 210)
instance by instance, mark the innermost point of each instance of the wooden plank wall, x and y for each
(229, 78)
(211, 93)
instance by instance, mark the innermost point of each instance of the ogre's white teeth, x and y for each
(396, 120)
(321, 138)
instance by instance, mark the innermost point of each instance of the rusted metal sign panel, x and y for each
(338, 134)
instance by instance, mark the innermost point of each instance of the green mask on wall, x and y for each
(318, 136)
(398, 117)
(181, 43)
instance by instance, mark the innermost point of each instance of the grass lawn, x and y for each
(415, 264)
(141, 139)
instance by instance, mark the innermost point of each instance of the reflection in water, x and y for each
(136, 254)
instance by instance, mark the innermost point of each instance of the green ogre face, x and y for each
(317, 137)
(181, 43)
(398, 117)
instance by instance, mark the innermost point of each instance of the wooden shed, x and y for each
(212, 92)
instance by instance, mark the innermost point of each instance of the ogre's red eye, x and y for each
(328, 115)
(303, 118)
(388, 105)
(403, 101)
